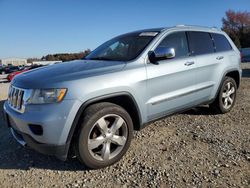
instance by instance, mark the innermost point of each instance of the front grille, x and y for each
(15, 99)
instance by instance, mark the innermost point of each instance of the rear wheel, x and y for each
(227, 96)
(105, 135)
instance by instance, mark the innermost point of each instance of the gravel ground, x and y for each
(192, 149)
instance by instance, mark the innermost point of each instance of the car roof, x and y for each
(194, 28)
(181, 27)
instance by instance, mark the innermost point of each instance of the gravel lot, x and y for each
(192, 149)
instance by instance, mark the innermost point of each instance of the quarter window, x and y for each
(200, 43)
(178, 41)
(221, 43)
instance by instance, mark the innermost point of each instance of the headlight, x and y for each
(43, 96)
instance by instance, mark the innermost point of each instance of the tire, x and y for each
(228, 90)
(98, 142)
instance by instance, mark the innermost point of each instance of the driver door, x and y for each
(171, 82)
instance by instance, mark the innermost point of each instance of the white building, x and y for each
(14, 61)
(45, 62)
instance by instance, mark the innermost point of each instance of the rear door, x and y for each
(207, 61)
(171, 83)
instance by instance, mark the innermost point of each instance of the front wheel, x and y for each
(226, 97)
(105, 135)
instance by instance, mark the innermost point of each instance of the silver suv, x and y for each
(94, 105)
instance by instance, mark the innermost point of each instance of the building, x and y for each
(14, 61)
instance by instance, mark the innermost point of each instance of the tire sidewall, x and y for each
(88, 122)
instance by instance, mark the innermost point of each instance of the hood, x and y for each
(67, 71)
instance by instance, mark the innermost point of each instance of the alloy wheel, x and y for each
(228, 95)
(107, 137)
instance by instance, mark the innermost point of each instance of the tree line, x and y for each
(66, 56)
(237, 25)
(61, 56)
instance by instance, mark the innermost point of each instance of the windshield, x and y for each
(123, 48)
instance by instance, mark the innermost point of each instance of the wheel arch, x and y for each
(123, 99)
(233, 73)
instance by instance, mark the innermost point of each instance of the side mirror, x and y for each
(161, 53)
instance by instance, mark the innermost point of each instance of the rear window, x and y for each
(221, 43)
(200, 43)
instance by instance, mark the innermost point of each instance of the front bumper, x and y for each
(55, 120)
(25, 140)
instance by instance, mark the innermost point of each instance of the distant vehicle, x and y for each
(9, 69)
(2, 69)
(245, 54)
(23, 69)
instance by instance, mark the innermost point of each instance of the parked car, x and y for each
(245, 54)
(93, 105)
(2, 69)
(21, 70)
(9, 69)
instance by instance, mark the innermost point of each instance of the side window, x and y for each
(200, 43)
(221, 42)
(178, 41)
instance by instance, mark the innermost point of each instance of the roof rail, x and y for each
(182, 25)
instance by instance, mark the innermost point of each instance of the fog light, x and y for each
(36, 129)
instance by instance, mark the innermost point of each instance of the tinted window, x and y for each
(178, 41)
(200, 43)
(221, 43)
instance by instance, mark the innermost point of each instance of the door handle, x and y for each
(189, 63)
(219, 57)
